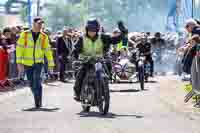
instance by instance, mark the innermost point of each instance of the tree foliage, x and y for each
(135, 13)
(1, 20)
(76, 12)
(62, 14)
(24, 13)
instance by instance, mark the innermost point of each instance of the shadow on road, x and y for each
(152, 81)
(128, 90)
(41, 109)
(109, 115)
(124, 82)
(134, 82)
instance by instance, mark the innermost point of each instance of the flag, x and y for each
(185, 12)
(30, 13)
(171, 17)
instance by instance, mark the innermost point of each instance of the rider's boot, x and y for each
(76, 96)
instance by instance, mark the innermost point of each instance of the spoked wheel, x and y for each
(85, 107)
(105, 98)
(114, 78)
(141, 77)
(84, 91)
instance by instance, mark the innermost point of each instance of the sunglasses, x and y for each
(39, 22)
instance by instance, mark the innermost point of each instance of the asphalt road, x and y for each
(158, 109)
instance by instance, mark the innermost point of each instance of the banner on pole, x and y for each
(30, 13)
(172, 16)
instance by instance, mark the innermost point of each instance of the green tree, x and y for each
(1, 20)
(76, 12)
(69, 14)
(109, 11)
(24, 13)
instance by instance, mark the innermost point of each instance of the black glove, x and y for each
(121, 27)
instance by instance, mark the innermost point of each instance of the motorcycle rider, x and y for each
(144, 48)
(93, 44)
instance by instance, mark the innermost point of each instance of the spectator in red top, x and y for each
(3, 60)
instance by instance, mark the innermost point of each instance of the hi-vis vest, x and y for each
(121, 46)
(28, 52)
(91, 48)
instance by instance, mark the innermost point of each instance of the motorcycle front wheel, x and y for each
(141, 76)
(105, 98)
(84, 91)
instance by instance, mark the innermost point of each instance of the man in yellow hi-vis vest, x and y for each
(32, 47)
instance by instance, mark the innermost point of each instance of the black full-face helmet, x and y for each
(92, 25)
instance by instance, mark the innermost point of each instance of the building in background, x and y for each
(10, 10)
(196, 9)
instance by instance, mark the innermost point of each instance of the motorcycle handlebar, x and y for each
(82, 60)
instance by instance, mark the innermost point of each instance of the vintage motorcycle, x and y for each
(95, 87)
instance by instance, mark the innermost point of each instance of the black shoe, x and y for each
(37, 106)
(63, 80)
(77, 98)
(38, 102)
(151, 75)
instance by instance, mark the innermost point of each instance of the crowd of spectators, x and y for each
(8, 69)
(190, 61)
(9, 75)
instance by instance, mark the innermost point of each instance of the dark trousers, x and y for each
(149, 58)
(34, 77)
(62, 69)
(45, 66)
